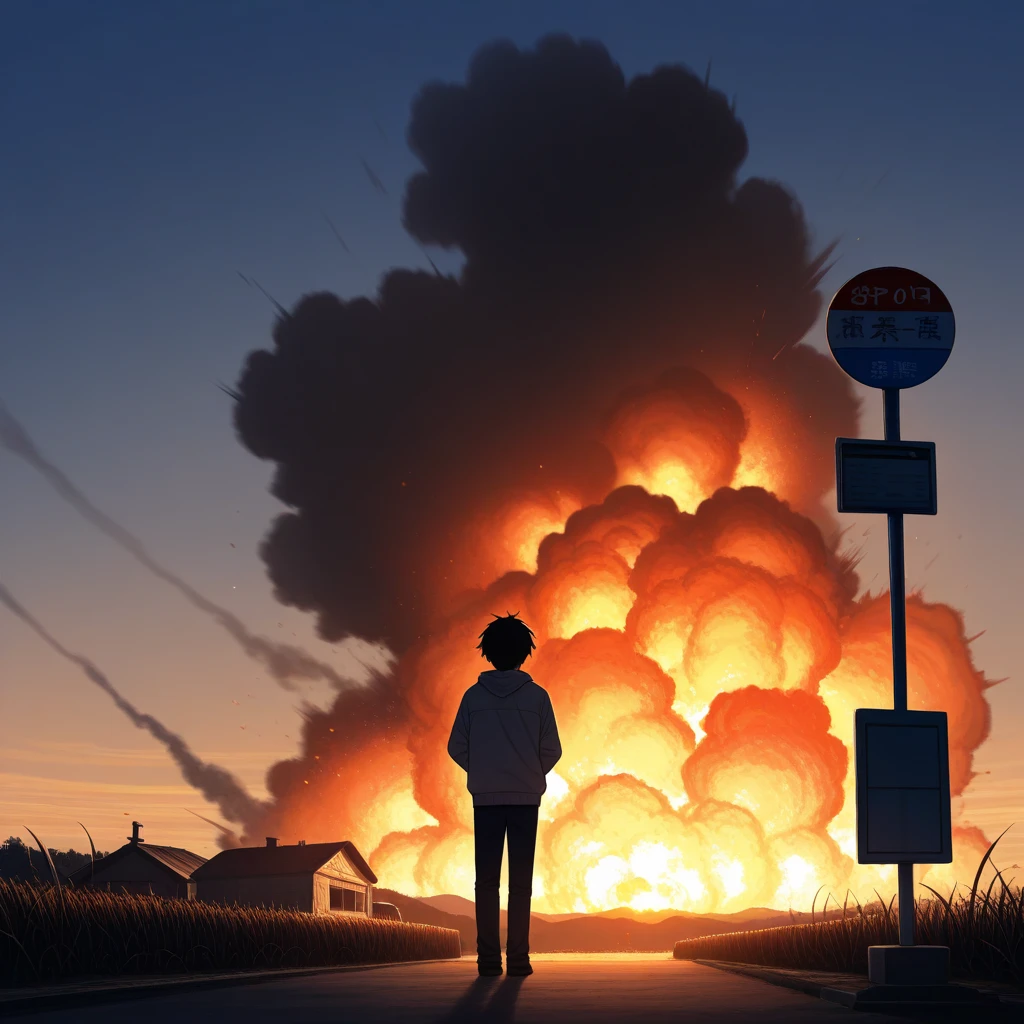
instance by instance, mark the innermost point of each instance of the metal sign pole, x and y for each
(898, 614)
(892, 328)
(897, 581)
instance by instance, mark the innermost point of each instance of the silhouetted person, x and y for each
(505, 737)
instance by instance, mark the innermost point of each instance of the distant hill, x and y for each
(617, 931)
(419, 912)
(460, 905)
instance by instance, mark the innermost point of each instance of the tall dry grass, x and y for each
(52, 932)
(984, 929)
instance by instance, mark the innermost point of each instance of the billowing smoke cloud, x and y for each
(607, 239)
(609, 424)
(361, 660)
(217, 784)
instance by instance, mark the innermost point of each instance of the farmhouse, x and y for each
(139, 868)
(318, 878)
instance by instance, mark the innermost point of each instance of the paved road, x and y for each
(564, 989)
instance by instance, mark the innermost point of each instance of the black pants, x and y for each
(491, 824)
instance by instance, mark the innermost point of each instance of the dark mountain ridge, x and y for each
(614, 931)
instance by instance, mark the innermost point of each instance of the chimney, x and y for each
(302, 842)
(271, 841)
(135, 838)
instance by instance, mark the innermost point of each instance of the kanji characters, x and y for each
(852, 327)
(928, 328)
(886, 330)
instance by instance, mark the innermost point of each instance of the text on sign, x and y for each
(860, 295)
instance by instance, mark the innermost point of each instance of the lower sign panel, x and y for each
(904, 823)
(885, 476)
(902, 767)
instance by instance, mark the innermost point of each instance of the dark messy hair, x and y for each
(506, 642)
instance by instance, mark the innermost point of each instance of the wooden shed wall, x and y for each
(293, 892)
(338, 870)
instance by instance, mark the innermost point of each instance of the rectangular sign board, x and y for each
(885, 476)
(902, 769)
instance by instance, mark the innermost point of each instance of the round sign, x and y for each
(890, 328)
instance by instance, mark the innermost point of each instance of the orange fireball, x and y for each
(704, 650)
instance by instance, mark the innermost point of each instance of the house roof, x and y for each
(183, 862)
(171, 859)
(256, 861)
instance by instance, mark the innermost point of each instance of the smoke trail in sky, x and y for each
(217, 784)
(363, 661)
(228, 839)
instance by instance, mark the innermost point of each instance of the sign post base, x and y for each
(908, 965)
(918, 999)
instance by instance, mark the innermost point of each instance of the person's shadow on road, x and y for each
(475, 1006)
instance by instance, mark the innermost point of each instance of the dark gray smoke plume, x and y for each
(608, 238)
(217, 784)
(362, 661)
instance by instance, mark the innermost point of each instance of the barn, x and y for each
(142, 869)
(317, 878)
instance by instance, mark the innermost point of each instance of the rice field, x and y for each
(984, 929)
(51, 932)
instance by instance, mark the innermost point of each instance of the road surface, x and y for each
(564, 989)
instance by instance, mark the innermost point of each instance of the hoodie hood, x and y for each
(503, 684)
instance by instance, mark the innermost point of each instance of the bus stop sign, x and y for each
(890, 328)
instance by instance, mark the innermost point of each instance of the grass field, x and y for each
(50, 932)
(984, 929)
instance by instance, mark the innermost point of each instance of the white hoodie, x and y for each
(505, 737)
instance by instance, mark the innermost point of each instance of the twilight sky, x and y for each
(154, 151)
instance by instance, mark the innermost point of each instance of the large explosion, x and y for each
(607, 424)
